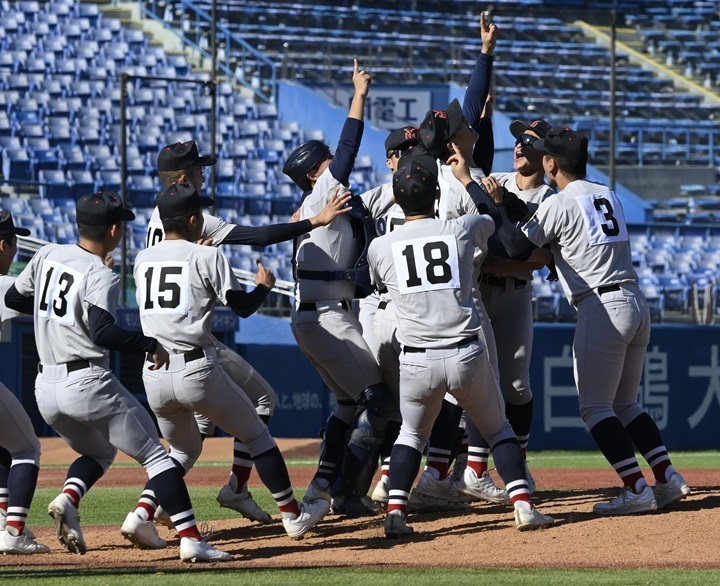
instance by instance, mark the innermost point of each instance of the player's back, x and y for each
(591, 247)
(178, 284)
(427, 266)
(67, 280)
(213, 227)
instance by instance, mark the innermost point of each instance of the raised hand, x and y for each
(488, 35)
(361, 80)
(459, 166)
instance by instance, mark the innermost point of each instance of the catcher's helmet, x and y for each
(302, 160)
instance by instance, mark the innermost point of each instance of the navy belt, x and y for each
(190, 355)
(382, 305)
(502, 281)
(71, 366)
(460, 344)
(608, 289)
(311, 306)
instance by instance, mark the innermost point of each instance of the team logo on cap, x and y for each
(410, 133)
(440, 113)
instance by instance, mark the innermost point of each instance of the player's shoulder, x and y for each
(503, 178)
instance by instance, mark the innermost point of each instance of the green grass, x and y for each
(108, 506)
(709, 460)
(593, 459)
(355, 576)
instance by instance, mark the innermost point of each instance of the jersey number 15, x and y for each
(163, 288)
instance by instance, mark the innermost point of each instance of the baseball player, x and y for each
(182, 162)
(379, 324)
(375, 313)
(506, 291)
(326, 330)
(20, 448)
(73, 296)
(439, 128)
(178, 285)
(585, 227)
(427, 267)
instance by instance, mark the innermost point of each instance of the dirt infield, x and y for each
(484, 536)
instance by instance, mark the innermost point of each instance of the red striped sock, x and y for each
(74, 496)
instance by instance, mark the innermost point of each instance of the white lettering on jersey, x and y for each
(155, 234)
(425, 264)
(59, 285)
(163, 288)
(604, 218)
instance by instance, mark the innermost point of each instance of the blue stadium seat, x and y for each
(54, 184)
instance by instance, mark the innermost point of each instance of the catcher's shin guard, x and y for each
(361, 455)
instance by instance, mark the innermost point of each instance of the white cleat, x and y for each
(67, 524)
(192, 550)
(482, 488)
(673, 490)
(314, 493)
(243, 503)
(444, 489)
(628, 503)
(141, 533)
(533, 519)
(311, 513)
(163, 518)
(380, 494)
(20, 544)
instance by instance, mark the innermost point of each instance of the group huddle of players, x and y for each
(436, 359)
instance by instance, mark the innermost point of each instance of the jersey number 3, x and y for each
(604, 218)
(425, 264)
(163, 288)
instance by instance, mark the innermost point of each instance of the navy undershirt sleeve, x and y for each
(513, 240)
(266, 235)
(106, 333)
(15, 300)
(245, 304)
(473, 104)
(348, 146)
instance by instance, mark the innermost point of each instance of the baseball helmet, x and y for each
(302, 160)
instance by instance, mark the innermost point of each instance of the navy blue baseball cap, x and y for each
(539, 127)
(401, 138)
(563, 142)
(415, 181)
(102, 209)
(7, 226)
(180, 199)
(439, 126)
(182, 155)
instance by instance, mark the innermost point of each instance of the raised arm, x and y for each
(351, 135)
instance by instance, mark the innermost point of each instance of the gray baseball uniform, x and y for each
(16, 431)
(213, 227)
(325, 329)
(455, 202)
(508, 301)
(379, 330)
(178, 285)
(237, 368)
(76, 392)
(585, 226)
(427, 267)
